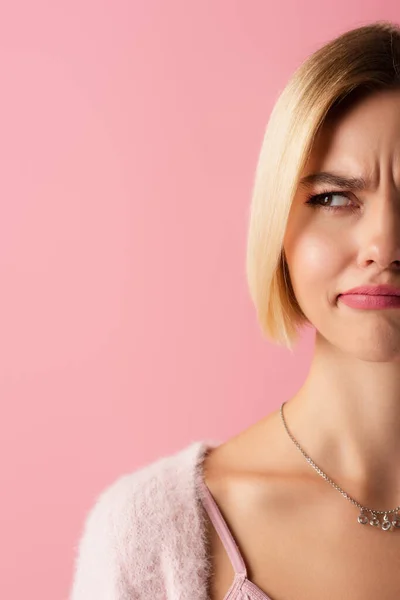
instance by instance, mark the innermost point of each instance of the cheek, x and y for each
(313, 260)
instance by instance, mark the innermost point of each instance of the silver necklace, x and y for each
(386, 524)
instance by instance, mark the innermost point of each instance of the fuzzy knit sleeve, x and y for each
(144, 538)
(104, 562)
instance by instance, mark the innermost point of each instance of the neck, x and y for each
(346, 417)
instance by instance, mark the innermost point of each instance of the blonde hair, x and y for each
(362, 59)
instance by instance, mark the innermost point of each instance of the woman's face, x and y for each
(329, 251)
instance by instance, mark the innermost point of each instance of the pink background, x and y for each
(130, 133)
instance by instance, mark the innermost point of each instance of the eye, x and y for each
(324, 199)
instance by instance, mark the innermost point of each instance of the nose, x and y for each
(380, 232)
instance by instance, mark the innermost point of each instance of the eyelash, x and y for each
(313, 201)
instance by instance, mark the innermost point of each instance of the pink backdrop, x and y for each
(129, 137)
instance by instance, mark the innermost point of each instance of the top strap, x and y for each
(223, 530)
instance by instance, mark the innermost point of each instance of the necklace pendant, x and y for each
(375, 521)
(362, 518)
(396, 521)
(386, 523)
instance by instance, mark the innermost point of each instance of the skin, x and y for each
(299, 537)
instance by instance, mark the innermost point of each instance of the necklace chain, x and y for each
(386, 525)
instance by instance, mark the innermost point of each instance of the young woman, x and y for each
(303, 504)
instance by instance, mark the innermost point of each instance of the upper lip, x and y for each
(374, 290)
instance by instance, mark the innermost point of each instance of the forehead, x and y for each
(363, 137)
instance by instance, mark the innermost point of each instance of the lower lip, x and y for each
(369, 302)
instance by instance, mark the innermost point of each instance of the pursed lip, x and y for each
(374, 290)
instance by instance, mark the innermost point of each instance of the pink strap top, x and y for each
(241, 588)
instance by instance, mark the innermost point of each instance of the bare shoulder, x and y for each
(245, 467)
(248, 478)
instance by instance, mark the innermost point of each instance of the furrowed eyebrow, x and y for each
(339, 181)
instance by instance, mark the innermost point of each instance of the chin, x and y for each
(375, 347)
(374, 342)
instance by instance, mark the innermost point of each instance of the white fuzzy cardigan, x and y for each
(145, 536)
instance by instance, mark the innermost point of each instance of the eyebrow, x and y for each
(351, 183)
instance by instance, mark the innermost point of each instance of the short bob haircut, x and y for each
(358, 61)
